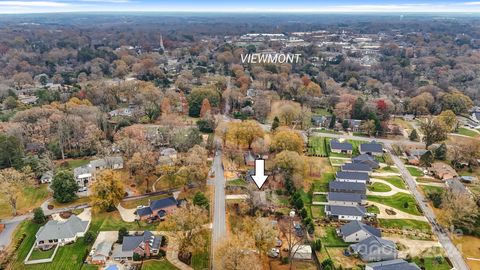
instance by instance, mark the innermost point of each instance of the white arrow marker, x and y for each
(259, 176)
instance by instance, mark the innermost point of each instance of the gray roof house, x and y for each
(347, 187)
(347, 199)
(345, 212)
(456, 186)
(371, 148)
(340, 147)
(107, 163)
(375, 249)
(146, 245)
(366, 159)
(356, 167)
(83, 175)
(102, 252)
(47, 177)
(61, 232)
(356, 231)
(358, 177)
(397, 264)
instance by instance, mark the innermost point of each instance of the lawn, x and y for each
(467, 132)
(38, 254)
(74, 163)
(78, 201)
(319, 198)
(430, 263)
(469, 246)
(356, 146)
(431, 189)
(31, 197)
(388, 169)
(398, 201)
(321, 184)
(163, 264)
(394, 180)
(414, 171)
(67, 257)
(236, 182)
(201, 259)
(379, 187)
(330, 238)
(318, 211)
(337, 162)
(373, 209)
(317, 147)
(327, 131)
(404, 224)
(142, 201)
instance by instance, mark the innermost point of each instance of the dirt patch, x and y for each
(390, 212)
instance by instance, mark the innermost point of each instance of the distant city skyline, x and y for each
(247, 6)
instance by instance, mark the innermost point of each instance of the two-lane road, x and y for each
(219, 227)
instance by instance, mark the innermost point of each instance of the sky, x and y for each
(246, 6)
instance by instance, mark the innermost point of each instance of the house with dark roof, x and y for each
(346, 199)
(457, 187)
(356, 231)
(366, 159)
(375, 249)
(476, 116)
(356, 177)
(397, 264)
(56, 232)
(346, 213)
(340, 147)
(356, 167)
(114, 163)
(321, 120)
(158, 208)
(371, 148)
(347, 187)
(145, 245)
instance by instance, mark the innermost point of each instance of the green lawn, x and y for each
(236, 182)
(317, 147)
(318, 211)
(388, 169)
(414, 171)
(319, 198)
(379, 187)
(356, 146)
(321, 184)
(330, 239)
(74, 163)
(38, 254)
(398, 201)
(467, 132)
(430, 263)
(431, 189)
(394, 180)
(404, 224)
(373, 209)
(153, 265)
(327, 131)
(31, 197)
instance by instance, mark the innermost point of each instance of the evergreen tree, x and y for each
(333, 120)
(413, 135)
(275, 123)
(441, 152)
(64, 187)
(38, 215)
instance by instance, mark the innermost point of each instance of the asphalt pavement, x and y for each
(219, 227)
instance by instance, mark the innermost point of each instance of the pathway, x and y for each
(394, 190)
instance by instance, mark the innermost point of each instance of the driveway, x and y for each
(7, 233)
(394, 190)
(219, 229)
(128, 215)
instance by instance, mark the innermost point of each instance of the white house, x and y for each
(61, 232)
(345, 213)
(302, 252)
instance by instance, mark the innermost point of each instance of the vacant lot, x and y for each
(404, 224)
(317, 147)
(394, 180)
(379, 187)
(31, 197)
(468, 132)
(414, 171)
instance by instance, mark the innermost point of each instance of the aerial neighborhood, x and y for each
(147, 141)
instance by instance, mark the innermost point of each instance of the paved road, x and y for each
(451, 250)
(219, 229)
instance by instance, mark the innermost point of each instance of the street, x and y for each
(219, 229)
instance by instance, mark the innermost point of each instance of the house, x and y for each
(345, 212)
(27, 99)
(375, 249)
(442, 171)
(356, 177)
(61, 232)
(83, 175)
(356, 231)
(347, 187)
(476, 116)
(321, 120)
(414, 156)
(158, 208)
(249, 159)
(46, 177)
(145, 245)
(356, 167)
(347, 199)
(114, 163)
(371, 148)
(366, 159)
(303, 252)
(354, 124)
(102, 252)
(397, 264)
(457, 187)
(168, 156)
(123, 112)
(340, 147)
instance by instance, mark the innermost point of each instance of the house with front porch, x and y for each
(61, 232)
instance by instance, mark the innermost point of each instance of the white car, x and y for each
(82, 189)
(274, 253)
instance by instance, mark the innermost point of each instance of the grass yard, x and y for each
(327, 131)
(414, 171)
(329, 238)
(468, 132)
(319, 198)
(430, 263)
(153, 265)
(31, 197)
(80, 200)
(394, 180)
(373, 209)
(201, 259)
(74, 163)
(404, 223)
(236, 182)
(143, 201)
(317, 147)
(388, 169)
(431, 189)
(317, 211)
(379, 187)
(470, 247)
(321, 184)
(401, 201)
(337, 162)
(38, 254)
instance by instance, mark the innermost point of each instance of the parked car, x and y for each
(82, 189)
(274, 253)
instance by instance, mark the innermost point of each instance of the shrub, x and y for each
(89, 237)
(38, 215)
